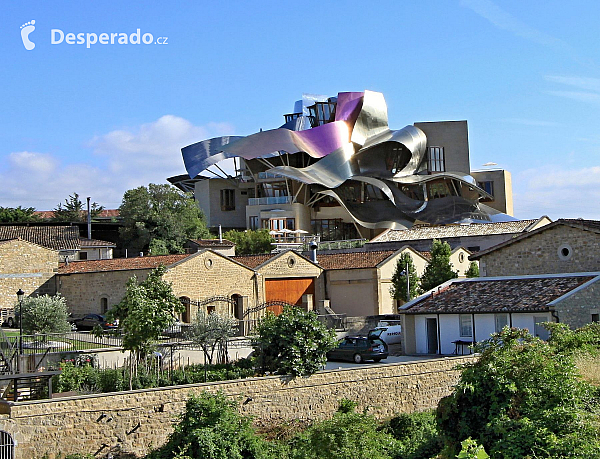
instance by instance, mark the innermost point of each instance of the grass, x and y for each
(589, 368)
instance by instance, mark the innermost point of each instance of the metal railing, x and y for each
(342, 244)
(336, 321)
(269, 200)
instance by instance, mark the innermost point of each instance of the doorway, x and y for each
(432, 336)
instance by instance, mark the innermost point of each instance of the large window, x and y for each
(501, 321)
(466, 326)
(253, 222)
(277, 224)
(435, 159)
(333, 229)
(227, 199)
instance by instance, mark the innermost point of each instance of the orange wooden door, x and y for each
(289, 290)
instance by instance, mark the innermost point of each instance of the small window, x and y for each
(104, 305)
(565, 252)
(461, 257)
(501, 321)
(83, 255)
(227, 200)
(435, 159)
(488, 187)
(253, 223)
(466, 326)
(7, 445)
(595, 317)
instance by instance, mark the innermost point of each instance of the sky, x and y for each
(99, 119)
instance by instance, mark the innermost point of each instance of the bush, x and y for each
(417, 434)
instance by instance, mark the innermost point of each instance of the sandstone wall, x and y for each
(577, 309)
(139, 420)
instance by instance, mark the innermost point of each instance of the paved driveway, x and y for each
(391, 359)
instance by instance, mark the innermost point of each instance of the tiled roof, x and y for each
(52, 237)
(448, 231)
(524, 294)
(106, 213)
(212, 243)
(95, 243)
(119, 264)
(353, 260)
(253, 261)
(586, 225)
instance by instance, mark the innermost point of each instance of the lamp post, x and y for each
(20, 295)
(405, 272)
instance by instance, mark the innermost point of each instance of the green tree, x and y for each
(160, 212)
(473, 270)
(250, 242)
(398, 288)
(211, 428)
(144, 312)
(522, 399)
(75, 210)
(44, 314)
(439, 269)
(18, 215)
(294, 342)
(210, 331)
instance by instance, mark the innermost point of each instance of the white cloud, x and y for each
(589, 97)
(124, 158)
(589, 84)
(558, 192)
(505, 21)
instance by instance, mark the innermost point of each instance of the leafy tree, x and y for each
(473, 270)
(250, 242)
(158, 247)
(439, 269)
(210, 331)
(75, 210)
(144, 312)
(417, 434)
(160, 212)
(18, 215)
(44, 314)
(398, 288)
(346, 435)
(522, 399)
(211, 428)
(294, 342)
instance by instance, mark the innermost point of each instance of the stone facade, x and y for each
(137, 421)
(558, 249)
(582, 307)
(25, 266)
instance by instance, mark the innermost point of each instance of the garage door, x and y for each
(289, 290)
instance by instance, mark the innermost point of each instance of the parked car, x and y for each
(389, 334)
(358, 349)
(176, 329)
(91, 320)
(7, 316)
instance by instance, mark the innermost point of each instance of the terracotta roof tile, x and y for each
(525, 294)
(447, 231)
(353, 260)
(119, 264)
(52, 237)
(106, 213)
(212, 243)
(253, 261)
(84, 242)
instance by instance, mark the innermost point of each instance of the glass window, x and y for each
(595, 318)
(466, 326)
(501, 321)
(253, 223)
(435, 159)
(488, 187)
(227, 199)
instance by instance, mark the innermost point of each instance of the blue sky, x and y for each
(104, 119)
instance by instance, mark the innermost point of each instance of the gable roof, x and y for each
(104, 214)
(498, 294)
(84, 242)
(353, 260)
(120, 264)
(51, 237)
(448, 231)
(253, 261)
(585, 225)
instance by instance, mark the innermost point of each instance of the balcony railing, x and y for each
(269, 200)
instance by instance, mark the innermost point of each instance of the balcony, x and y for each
(269, 200)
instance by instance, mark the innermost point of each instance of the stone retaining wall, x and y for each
(137, 421)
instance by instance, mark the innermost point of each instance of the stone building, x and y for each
(26, 266)
(564, 246)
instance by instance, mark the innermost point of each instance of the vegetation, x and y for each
(161, 217)
(44, 314)
(144, 312)
(250, 242)
(439, 269)
(473, 270)
(524, 398)
(211, 331)
(398, 288)
(294, 342)
(75, 210)
(18, 215)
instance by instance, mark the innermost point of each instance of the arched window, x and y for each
(237, 306)
(103, 309)
(185, 316)
(7, 445)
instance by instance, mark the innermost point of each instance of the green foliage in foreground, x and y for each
(293, 343)
(523, 399)
(44, 314)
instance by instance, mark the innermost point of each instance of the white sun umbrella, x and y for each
(285, 231)
(274, 233)
(299, 231)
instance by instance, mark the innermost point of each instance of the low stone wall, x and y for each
(137, 421)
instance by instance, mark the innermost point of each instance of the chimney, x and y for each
(89, 219)
(313, 251)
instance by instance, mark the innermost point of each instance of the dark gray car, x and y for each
(358, 349)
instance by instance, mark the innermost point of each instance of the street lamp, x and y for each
(406, 273)
(20, 295)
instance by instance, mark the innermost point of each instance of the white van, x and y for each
(388, 332)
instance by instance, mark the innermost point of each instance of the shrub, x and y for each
(417, 434)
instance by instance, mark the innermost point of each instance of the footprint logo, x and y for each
(26, 29)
